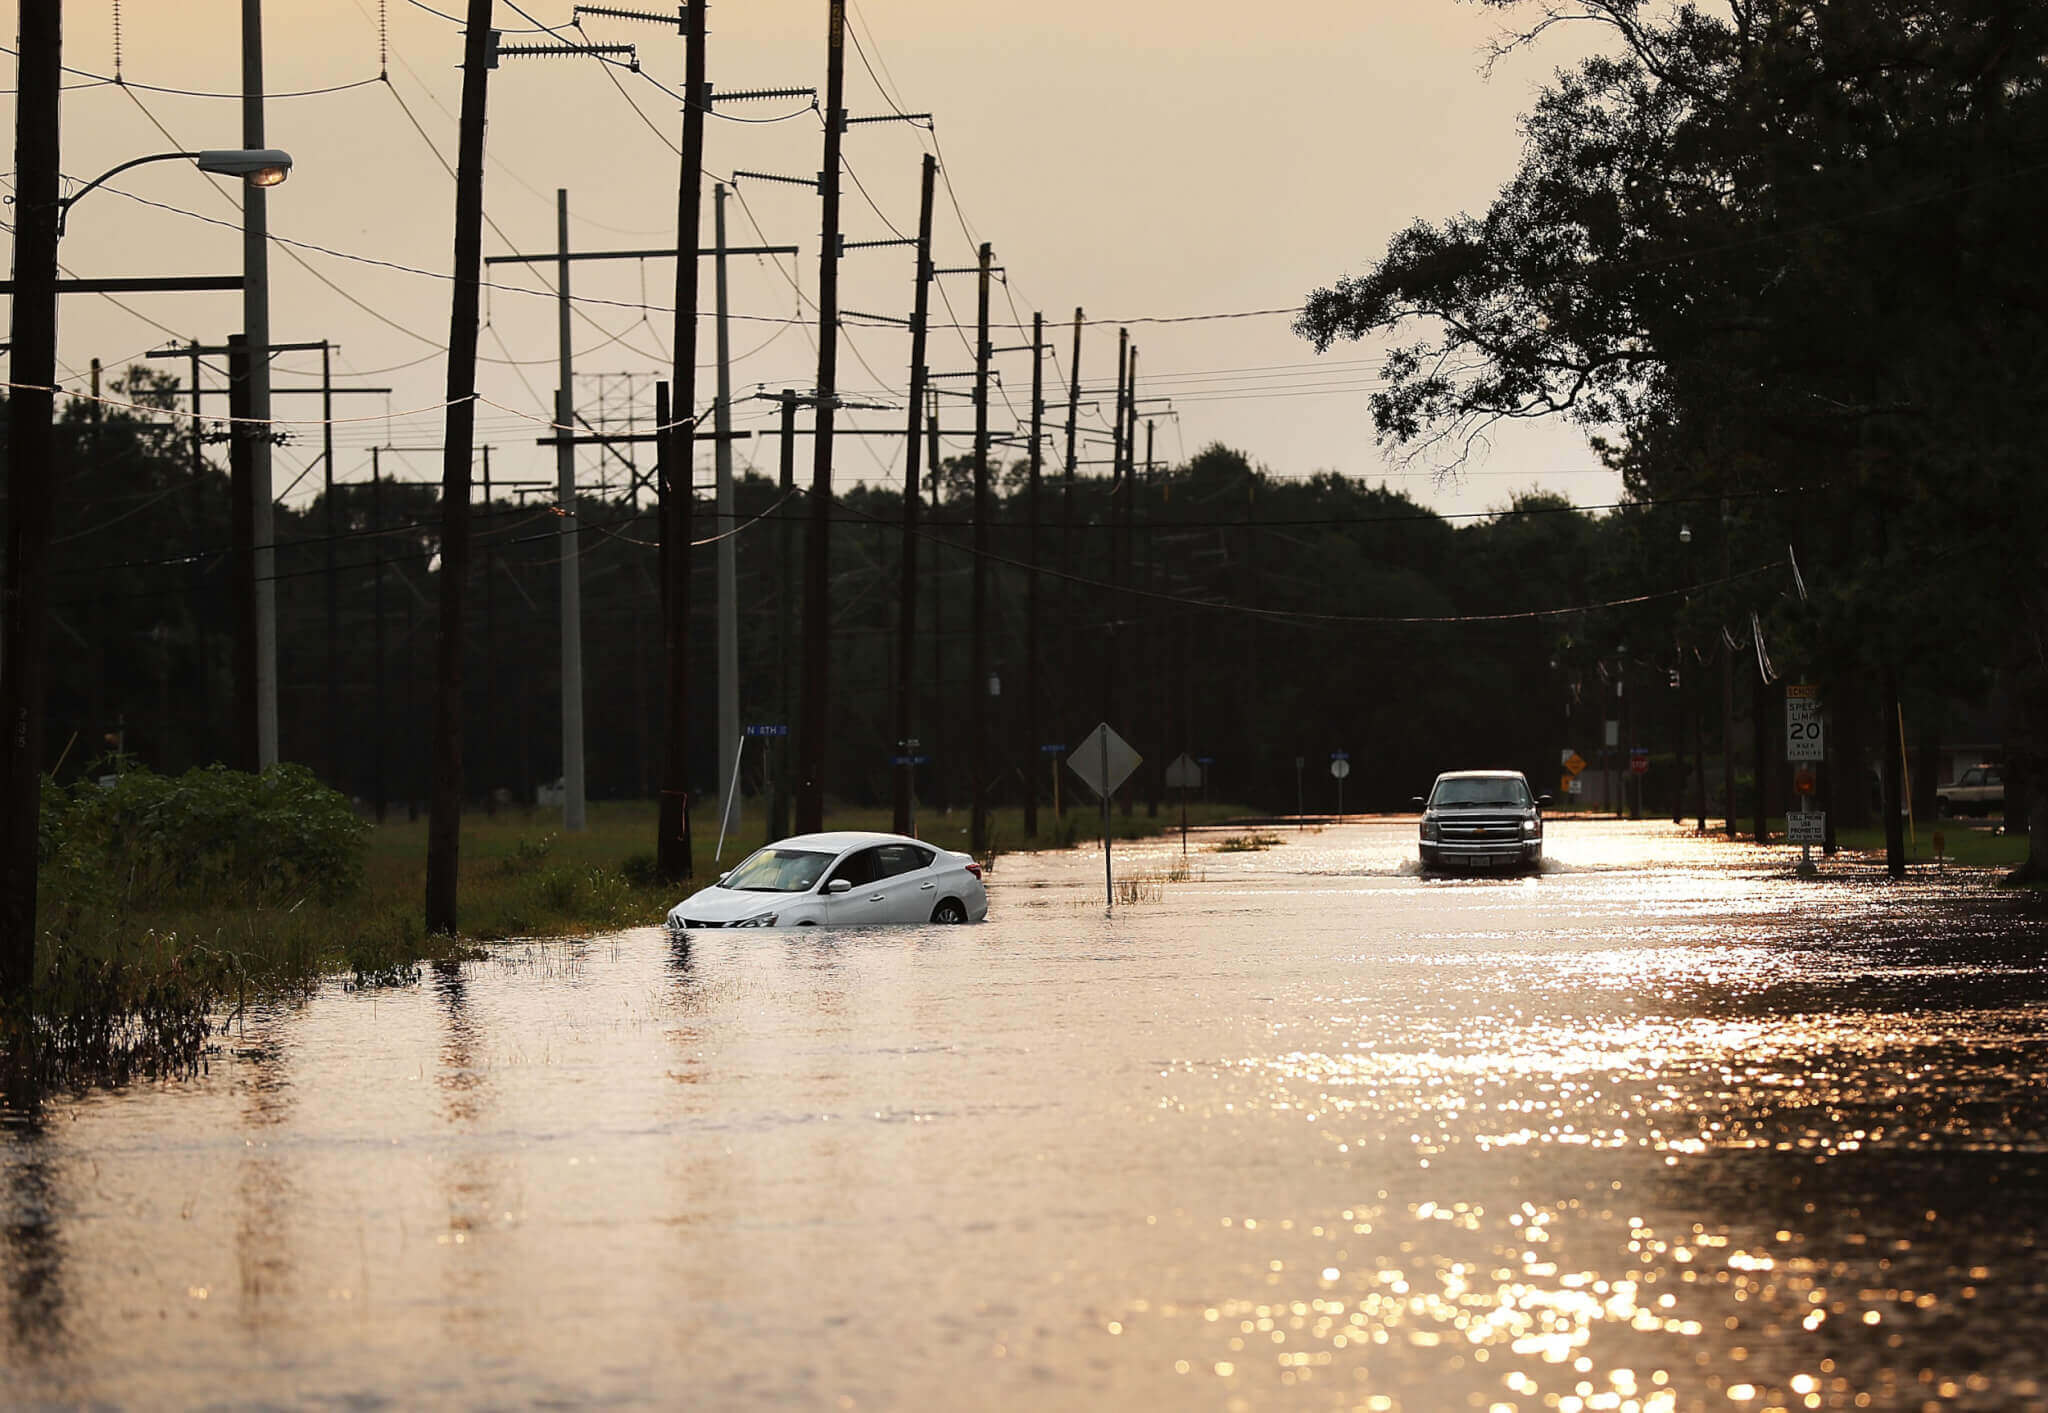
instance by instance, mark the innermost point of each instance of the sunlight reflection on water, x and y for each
(1659, 1128)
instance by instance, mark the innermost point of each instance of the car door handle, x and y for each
(926, 887)
(874, 897)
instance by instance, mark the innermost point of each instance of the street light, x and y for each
(258, 166)
(39, 217)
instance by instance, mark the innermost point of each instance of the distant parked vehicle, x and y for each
(843, 879)
(1482, 819)
(1978, 790)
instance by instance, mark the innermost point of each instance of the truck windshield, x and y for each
(1505, 791)
(778, 871)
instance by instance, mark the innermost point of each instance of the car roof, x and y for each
(840, 840)
(1483, 775)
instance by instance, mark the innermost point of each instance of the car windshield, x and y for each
(778, 871)
(1482, 790)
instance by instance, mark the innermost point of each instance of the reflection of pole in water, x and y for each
(266, 1210)
(31, 1237)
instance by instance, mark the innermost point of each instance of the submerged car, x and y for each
(1482, 819)
(842, 879)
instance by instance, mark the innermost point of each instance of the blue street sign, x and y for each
(1340, 755)
(1051, 750)
(1205, 760)
(910, 760)
(763, 729)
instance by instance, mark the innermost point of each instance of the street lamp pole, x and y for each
(24, 592)
(256, 434)
(24, 598)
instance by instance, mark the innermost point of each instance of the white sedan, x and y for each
(840, 879)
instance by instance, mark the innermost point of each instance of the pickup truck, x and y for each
(1978, 790)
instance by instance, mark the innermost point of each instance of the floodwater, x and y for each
(1660, 1129)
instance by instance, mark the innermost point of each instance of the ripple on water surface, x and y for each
(1657, 1128)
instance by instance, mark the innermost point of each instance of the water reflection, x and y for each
(1658, 1129)
(37, 1306)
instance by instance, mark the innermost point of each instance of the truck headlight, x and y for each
(1428, 828)
(1531, 827)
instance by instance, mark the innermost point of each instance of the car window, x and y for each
(862, 866)
(1504, 790)
(1991, 777)
(778, 871)
(901, 858)
(1970, 776)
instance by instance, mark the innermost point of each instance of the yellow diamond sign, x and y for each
(1575, 762)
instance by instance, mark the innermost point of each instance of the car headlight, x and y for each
(763, 920)
(1531, 827)
(1428, 827)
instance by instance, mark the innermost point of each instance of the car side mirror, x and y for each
(1543, 801)
(840, 885)
(723, 876)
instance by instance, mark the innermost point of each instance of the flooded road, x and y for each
(1660, 1129)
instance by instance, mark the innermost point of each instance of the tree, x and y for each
(1777, 253)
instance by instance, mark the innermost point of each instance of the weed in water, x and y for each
(1247, 843)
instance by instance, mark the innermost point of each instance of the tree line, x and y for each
(1254, 621)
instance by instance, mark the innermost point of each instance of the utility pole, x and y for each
(256, 328)
(785, 605)
(817, 654)
(1727, 688)
(331, 715)
(247, 752)
(379, 793)
(444, 801)
(672, 846)
(24, 593)
(568, 534)
(906, 614)
(977, 684)
(728, 558)
(1031, 581)
(493, 736)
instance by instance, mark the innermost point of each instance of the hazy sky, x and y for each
(1138, 159)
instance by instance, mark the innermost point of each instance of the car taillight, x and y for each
(975, 869)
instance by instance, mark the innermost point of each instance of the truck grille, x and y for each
(1479, 833)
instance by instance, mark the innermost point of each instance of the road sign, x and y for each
(1802, 781)
(1639, 760)
(1340, 767)
(1184, 774)
(1576, 787)
(910, 760)
(766, 729)
(1574, 762)
(1104, 760)
(1340, 755)
(1053, 748)
(1807, 827)
(1803, 739)
(1205, 761)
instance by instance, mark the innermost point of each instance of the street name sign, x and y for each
(767, 729)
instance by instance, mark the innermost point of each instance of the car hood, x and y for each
(715, 904)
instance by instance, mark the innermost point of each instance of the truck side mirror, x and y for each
(1417, 801)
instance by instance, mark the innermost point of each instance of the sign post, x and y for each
(1805, 743)
(1183, 775)
(1340, 766)
(1053, 751)
(1104, 760)
(1300, 810)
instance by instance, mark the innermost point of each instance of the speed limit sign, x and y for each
(1803, 739)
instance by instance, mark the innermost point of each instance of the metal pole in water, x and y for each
(1108, 879)
(738, 754)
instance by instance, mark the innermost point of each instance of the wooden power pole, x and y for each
(444, 810)
(906, 615)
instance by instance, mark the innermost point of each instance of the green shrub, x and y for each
(208, 836)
